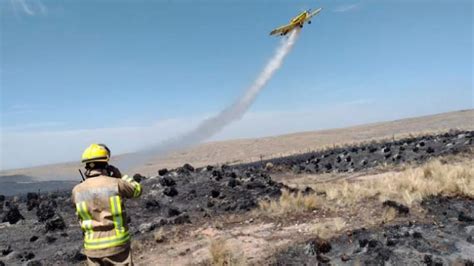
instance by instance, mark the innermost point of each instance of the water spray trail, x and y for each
(213, 125)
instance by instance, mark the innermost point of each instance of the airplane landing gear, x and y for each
(309, 22)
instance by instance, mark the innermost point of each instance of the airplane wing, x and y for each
(314, 13)
(282, 30)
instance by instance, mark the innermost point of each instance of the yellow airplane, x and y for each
(297, 21)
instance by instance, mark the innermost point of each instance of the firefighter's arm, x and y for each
(73, 200)
(129, 188)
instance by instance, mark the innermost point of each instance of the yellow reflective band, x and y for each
(137, 188)
(116, 210)
(86, 218)
(108, 242)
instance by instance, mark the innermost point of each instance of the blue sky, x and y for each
(136, 72)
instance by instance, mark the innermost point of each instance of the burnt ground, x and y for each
(43, 228)
(446, 239)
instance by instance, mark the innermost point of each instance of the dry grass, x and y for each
(289, 203)
(329, 228)
(409, 186)
(159, 235)
(221, 253)
(389, 214)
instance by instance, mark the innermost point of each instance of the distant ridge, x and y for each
(247, 150)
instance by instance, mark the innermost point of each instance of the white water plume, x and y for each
(213, 125)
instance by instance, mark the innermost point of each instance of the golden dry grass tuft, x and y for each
(221, 253)
(330, 227)
(289, 203)
(409, 186)
(159, 235)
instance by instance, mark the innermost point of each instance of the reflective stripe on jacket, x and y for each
(99, 205)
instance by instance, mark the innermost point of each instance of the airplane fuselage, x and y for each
(300, 19)
(296, 22)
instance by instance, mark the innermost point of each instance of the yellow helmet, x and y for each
(96, 153)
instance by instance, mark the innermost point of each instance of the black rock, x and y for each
(328, 166)
(215, 193)
(417, 235)
(470, 239)
(210, 204)
(162, 172)
(438, 262)
(50, 239)
(6, 250)
(31, 196)
(317, 247)
(233, 183)
(32, 200)
(462, 217)
(173, 212)
(323, 247)
(392, 242)
(167, 181)
(363, 242)
(152, 204)
(255, 185)
(181, 219)
(428, 259)
(13, 215)
(33, 238)
(34, 263)
(402, 209)
(322, 259)
(26, 256)
(383, 254)
(2, 263)
(170, 191)
(56, 223)
(308, 190)
(2, 198)
(45, 211)
(188, 167)
(217, 175)
(232, 175)
(430, 150)
(373, 243)
(138, 178)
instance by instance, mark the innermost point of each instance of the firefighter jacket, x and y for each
(100, 208)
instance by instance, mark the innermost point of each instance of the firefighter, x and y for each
(99, 206)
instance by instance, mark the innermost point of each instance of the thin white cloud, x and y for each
(346, 8)
(25, 7)
(29, 7)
